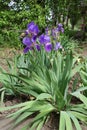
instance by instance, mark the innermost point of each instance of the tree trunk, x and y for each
(73, 26)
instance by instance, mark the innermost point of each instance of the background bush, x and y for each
(14, 17)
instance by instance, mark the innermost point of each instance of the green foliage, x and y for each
(48, 83)
(83, 74)
(9, 30)
(11, 22)
(9, 83)
(70, 33)
(41, 12)
(69, 43)
(10, 38)
(12, 85)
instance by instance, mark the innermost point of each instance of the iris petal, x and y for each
(57, 46)
(60, 28)
(31, 24)
(43, 39)
(48, 47)
(38, 47)
(26, 49)
(26, 41)
(33, 28)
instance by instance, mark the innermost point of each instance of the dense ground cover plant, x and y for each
(50, 72)
(10, 38)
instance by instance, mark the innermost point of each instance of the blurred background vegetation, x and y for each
(15, 14)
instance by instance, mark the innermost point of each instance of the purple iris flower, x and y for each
(60, 28)
(26, 41)
(57, 46)
(33, 39)
(37, 47)
(33, 28)
(30, 24)
(46, 39)
(43, 39)
(27, 32)
(60, 25)
(48, 47)
(26, 49)
(46, 30)
(54, 32)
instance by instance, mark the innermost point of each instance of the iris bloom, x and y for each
(43, 39)
(32, 28)
(38, 47)
(57, 46)
(47, 31)
(54, 32)
(60, 28)
(27, 42)
(30, 40)
(48, 47)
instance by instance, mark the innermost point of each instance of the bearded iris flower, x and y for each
(26, 49)
(47, 31)
(27, 42)
(60, 28)
(33, 28)
(54, 32)
(38, 47)
(57, 46)
(48, 47)
(43, 39)
(27, 32)
(30, 24)
(34, 38)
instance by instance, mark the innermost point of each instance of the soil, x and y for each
(7, 54)
(5, 123)
(84, 50)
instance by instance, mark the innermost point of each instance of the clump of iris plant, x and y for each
(49, 40)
